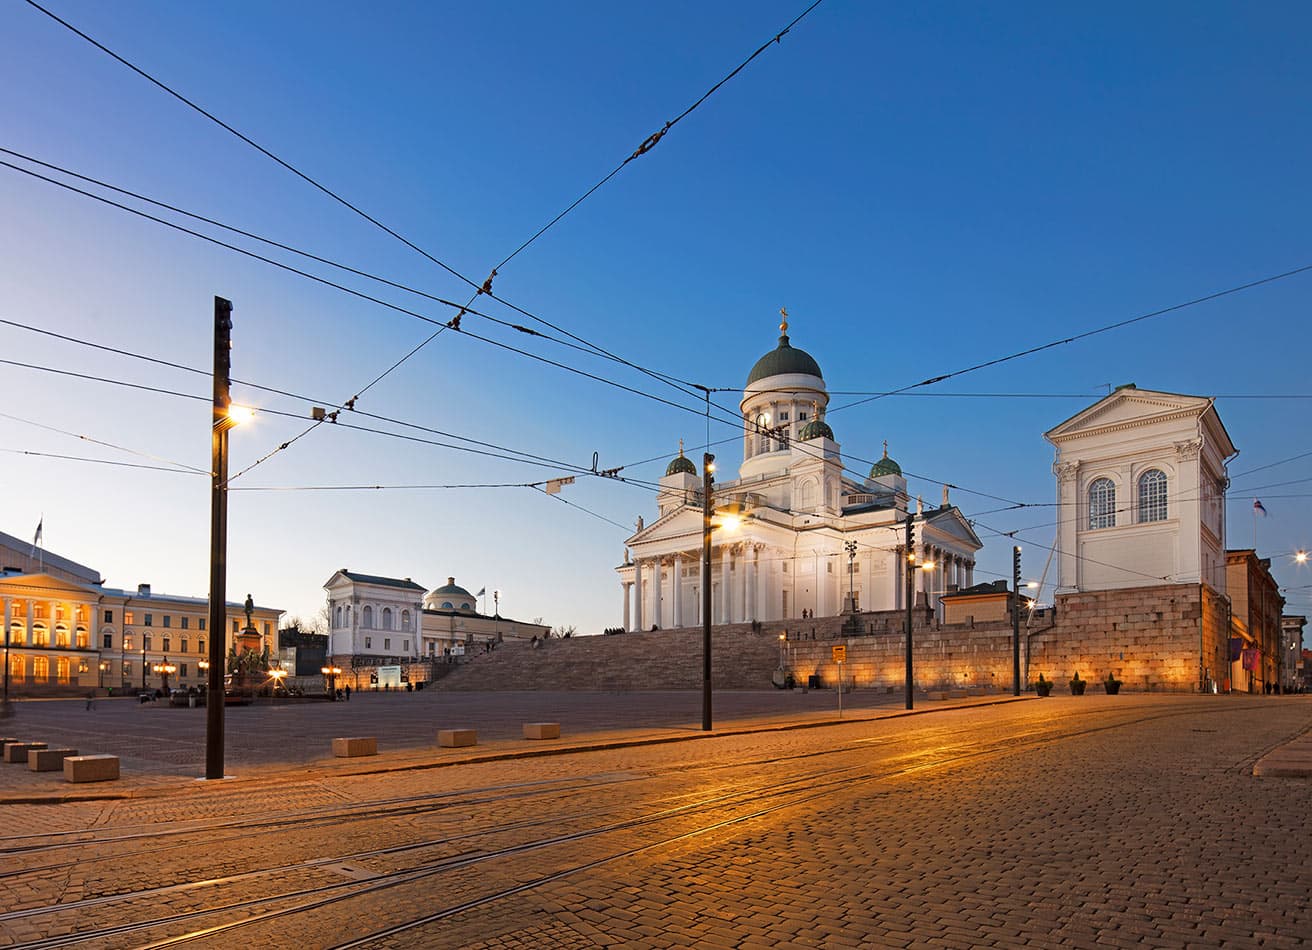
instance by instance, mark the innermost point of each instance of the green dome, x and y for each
(885, 466)
(784, 359)
(815, 429)
(681, 464)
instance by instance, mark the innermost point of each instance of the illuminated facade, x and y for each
(797, 534)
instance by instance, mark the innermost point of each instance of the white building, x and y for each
(806, 535)
(1141, 485)
(377, 621)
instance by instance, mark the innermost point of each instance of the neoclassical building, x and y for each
(1141, 483)
(379, 623)
(796, 532)
(64, 630)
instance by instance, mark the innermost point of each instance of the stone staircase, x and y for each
(660, 659)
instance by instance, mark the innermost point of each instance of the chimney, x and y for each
(143, 590)
(451, 582)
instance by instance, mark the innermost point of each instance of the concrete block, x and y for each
(349, 747)
(541, 730)
(455, 738)
(17, 751)
(90, 768)
(48, 760)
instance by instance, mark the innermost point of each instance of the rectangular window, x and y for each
(266, 628)
(127, 668)
(145, 641)
(186, 622)
(150, 620)
(368, 642)
(783, 416)
(182, 647)
(168, 620)
(127, 641)
(108, 641)
(387, 643)
(801, 417)
(182, 669)
(234, 626)
(109, 616)
(127, 618)
(200, 624)
(405, 646)
(200, 646)
(167, 644)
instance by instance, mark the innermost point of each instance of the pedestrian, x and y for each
(348, 692)
(91, 700)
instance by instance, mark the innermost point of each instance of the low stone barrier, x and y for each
(90, 768)
(352, 746)
(48, 760)
(541, 730)
(455, 738)
(17, 751)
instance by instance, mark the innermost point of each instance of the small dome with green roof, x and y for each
(681, 464)
(784, 359)
(817, 428)
(885, 466)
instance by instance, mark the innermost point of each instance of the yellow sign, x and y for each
(840, 653)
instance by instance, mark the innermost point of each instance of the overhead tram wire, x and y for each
(360, 294)
(485, 287)
(477, 447)
(586, 347)
(82, 458)
(180, 466)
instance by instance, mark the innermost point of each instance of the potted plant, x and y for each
(1043, 687)
(1077, 684)
(1112, 685)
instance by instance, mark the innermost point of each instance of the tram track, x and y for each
(744, 804)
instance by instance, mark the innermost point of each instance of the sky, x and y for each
(924, 187)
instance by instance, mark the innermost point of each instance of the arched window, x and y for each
(387, 618)
(337, 615)
(806, 495)
(61, 636)
(367, 621)
(1152, 495)
(80, 638)
(1102, 504)
(405, 620)
(40, 636)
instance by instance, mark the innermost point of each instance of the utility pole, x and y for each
(911, 597)
(218, 536)
(708, 467)
(1015, 620)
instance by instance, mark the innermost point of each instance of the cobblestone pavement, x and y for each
(1086, 822)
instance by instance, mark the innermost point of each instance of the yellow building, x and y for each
(65, 632)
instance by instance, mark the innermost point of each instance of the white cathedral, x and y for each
(796, 534)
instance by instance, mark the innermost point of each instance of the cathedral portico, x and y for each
(803, 521)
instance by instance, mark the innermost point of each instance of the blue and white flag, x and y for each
(1258, 508)
(482, 591)
(36, 538)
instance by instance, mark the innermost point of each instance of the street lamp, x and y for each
(850, 547)
(330, 676)
(708, 469)
(164, 670)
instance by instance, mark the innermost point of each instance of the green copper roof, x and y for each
(680, 463)
(784, 359)
(885, 466)
(815, 429)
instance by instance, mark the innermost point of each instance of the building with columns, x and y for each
(796, 533)
(64, 631)
(1141, 483)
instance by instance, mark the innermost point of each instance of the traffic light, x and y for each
(1015, 568)
(911, 538)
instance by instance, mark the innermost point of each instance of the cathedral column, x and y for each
(624, 586)
(637, 594)
(676, 600)
(658, 592)
(726, 577)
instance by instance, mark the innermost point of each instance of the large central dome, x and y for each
(783, 360)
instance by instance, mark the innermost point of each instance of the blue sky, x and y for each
(924, 187)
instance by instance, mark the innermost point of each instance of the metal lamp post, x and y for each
(164, 670)
(850, 547)
(708, 468)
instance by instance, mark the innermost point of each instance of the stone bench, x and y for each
(937, 695)
(455, 738)
(541, 730)
(352, 746)
(90, 768)
(48, 760)
(17, 751)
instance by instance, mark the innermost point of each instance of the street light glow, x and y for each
(1300, 557)
(240, 415)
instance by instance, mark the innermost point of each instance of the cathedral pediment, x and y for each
(1128, 408)
(950, 521)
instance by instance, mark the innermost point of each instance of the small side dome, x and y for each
(816, 429)
(885, 466)
(681, 464)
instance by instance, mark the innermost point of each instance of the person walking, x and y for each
(91, 700)
(348, 692)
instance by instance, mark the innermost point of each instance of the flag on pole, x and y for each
(482, 592)
(36, 538)
(1258, 508)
